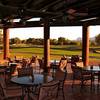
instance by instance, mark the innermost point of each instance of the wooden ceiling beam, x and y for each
(51, 4)
(78, 4)
(39, 24)
(28, 12)
(58, 6)
(28, 2)
(38, 2)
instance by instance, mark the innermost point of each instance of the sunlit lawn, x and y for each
(55, 52)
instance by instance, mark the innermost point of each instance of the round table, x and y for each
(94, 70)
(26, 82)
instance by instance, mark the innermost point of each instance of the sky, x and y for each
(71, 33)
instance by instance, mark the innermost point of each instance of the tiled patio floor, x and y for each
(78, 93)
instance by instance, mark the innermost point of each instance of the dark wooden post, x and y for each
(46, 45)
(85, 44)
(6, 42)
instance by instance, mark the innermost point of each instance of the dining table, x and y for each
(92, 68)
(95, 72)
(27, 81)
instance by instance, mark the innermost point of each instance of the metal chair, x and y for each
(63, 63)
(10, 71)
(61, 76)
(80, 74)
(48, 91)
(9, 93)
(25, 71)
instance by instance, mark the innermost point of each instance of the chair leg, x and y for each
(62, 90)
(92, 81)
(73, 83)
(22, 98)
(82, 83)
(98, 80)
(63, 94)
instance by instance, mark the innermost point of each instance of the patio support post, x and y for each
(85, 44)
(6, 42)
(46, 45)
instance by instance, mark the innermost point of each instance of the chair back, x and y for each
(1, 93)
(25, 62)
(41, 63)
(25, 71)
(34, 59)
(12, 68)
(80, 64)
(34, 62)
(63, 63)
(2, 82)
(49, 91)
(61, 76)
(2, 90)
(77, 71)
(75, 58)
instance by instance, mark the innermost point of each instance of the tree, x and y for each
(53, 41)
(15, 41)
(39, 41)
(61, 40)
(97, 39)
(23, 41)
(29, 40)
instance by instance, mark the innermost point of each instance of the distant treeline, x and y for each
(59, 41)
(40, 41)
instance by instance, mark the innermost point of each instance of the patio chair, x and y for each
(61, 76)
(25, 71)
(36, 63)
(62, 64)
(25, 63)
(2, 72)
(32, 60)
(48, 91)
(80, 74)
(41, 65)
(10, 71)
(75, 58)
(9, 93)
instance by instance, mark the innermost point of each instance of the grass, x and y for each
(55, 52)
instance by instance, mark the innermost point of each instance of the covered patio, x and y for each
(54, 13)
(51, 13)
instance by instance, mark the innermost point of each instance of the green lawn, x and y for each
(55, 52)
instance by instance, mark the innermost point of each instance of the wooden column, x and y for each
(6, 42)
(85, 44)
(46, 45)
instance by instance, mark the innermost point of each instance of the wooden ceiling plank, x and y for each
(51, 4)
